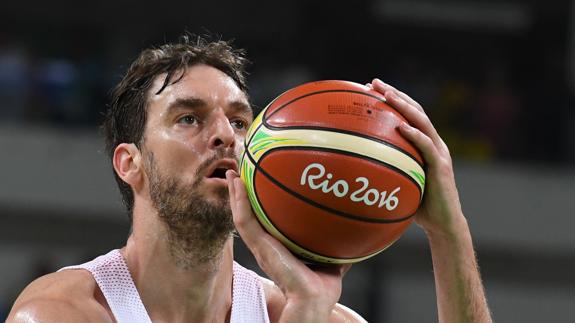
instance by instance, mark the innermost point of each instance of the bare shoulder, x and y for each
(274, 298)
(342, 313)
(276, 302)
(66, 296)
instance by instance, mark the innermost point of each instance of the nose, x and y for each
(222, 134)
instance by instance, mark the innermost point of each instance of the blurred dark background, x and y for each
(496, 77)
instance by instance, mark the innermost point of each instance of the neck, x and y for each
(171, 292)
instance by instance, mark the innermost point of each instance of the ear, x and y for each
(127, 163)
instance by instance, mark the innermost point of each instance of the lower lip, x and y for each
(216, 180)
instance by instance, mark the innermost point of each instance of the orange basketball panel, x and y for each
(320, 231)
(353, 185)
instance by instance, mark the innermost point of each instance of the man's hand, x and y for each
(441, 207)
(311, 294)
(460, 294)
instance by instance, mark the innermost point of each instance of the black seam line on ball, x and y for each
(356, 155)
(264, 121)
(347, 153)
(287, 237)
(318, 205)
(325, 91)
(349, 132)
(248, 141)
(316, 253)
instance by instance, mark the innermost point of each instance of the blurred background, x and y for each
(496, 77)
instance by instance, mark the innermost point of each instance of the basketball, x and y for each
(328, 173)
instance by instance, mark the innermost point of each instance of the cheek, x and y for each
(183, 142)
(178, 158)
(195, 147)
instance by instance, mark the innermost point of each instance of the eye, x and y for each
(188, 119)
(239, 124)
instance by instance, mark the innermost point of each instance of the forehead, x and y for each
(199, 81)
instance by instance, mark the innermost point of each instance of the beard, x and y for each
(197, 228)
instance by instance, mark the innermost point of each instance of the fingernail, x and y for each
(231, 173)
(380, 82)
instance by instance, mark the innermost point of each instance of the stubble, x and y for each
(197, 228)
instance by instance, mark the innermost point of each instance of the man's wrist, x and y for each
(450, 230)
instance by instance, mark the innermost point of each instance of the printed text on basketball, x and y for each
(314, 175)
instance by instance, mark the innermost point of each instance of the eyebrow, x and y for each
(188, 103)
(194, 103)
(241, 107)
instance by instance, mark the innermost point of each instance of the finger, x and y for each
(382, 87)
(390, 93)
(241, 210)
(230, 175)
(425, 145)
(273, 258)
(414, 116)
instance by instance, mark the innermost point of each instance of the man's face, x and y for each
(196, 128)
(194, 132)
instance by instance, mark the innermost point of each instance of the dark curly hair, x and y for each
(125, 119)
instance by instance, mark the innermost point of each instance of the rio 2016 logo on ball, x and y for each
(329, 175)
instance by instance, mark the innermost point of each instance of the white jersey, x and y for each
(111, 273)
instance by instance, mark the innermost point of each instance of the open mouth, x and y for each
(219, 172)
(219, 169)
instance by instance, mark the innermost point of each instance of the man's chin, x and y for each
(216, 194)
